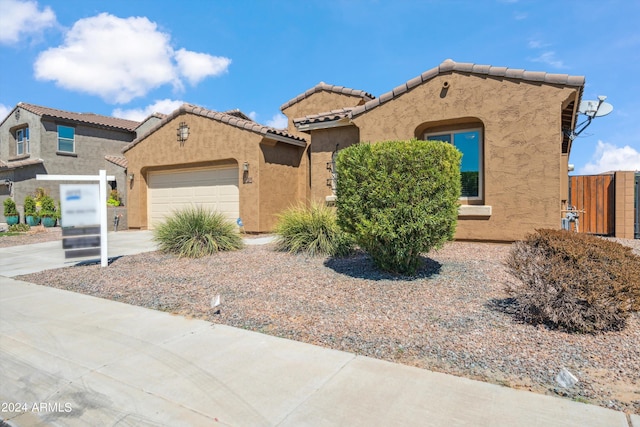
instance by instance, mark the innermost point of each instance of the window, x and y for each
(469, 142)
(22, 141)
(66, 139)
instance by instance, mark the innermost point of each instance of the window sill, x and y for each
(66, 153)
(474, 211)
(19, 157)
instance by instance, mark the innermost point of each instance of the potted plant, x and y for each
(11, 212)
(30, 213)
(114, 198)
(48, 211)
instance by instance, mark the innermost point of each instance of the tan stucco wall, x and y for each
(625, 209)
(279, 181)
(212, 143)
(322, 148)
(318, 102)
(524, 170)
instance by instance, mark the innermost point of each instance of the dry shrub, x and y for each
(575, 282)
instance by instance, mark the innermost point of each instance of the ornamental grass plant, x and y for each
(311, 230)
(195, 232)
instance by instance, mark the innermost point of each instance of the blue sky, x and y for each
(129, 58)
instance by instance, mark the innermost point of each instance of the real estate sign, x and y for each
(80, 206)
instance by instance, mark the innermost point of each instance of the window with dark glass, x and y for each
(66, 139)
(469, 142)
(22, 141)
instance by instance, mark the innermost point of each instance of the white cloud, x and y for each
(121, 59)
(549, 58)
(253, 115)
(536, 44)
(519, 16)
(4, 111)
(278, 121)
(164, 106)
(609, 157)
(22, 18)
(196, 66)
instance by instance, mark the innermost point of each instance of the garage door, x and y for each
(214, 189)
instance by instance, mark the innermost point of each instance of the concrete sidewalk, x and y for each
(75, 360)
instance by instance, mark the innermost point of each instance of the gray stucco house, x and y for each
(41, 140)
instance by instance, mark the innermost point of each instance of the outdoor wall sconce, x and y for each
(131, 176)
(183, 132)
(245, 167)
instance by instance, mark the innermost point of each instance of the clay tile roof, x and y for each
(238, 114)
(19, 164)
(117, 160)
(449, 66)
(322, 86)
(231, 120)
(90, 118)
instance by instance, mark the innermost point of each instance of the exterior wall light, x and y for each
(183, 132)
(131, 176)
(245, 167)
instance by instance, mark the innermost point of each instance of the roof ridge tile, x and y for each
(448, 66)
(329, 88)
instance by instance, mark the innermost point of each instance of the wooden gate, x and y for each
(637, 207)
(595, 195)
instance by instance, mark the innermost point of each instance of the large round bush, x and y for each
(399, 199)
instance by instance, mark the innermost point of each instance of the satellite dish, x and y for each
(597, 108)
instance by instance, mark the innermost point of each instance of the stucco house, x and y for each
(42, 140)
(513, 127)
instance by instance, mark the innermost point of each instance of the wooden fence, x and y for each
(595, 195)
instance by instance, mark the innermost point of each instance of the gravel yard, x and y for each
(453, 317)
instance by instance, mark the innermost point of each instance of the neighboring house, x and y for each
(513, 127)
(41, 140)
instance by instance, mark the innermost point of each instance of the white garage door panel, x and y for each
(214, 189)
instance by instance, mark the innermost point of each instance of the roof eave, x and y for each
(280, 138)
(327, 124)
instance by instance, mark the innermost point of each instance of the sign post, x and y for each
(83, 212)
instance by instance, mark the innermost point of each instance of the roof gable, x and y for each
(327, 119)
(322, 86)
(88, 118)
(449, 66)
(226, 118)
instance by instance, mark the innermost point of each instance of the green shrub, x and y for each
(47, 206)
(195, 232)
(19, 228)
(10, 207)
(114, 198)
(311, 230)
(575, 282)
(399, 199)
(29, 206)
